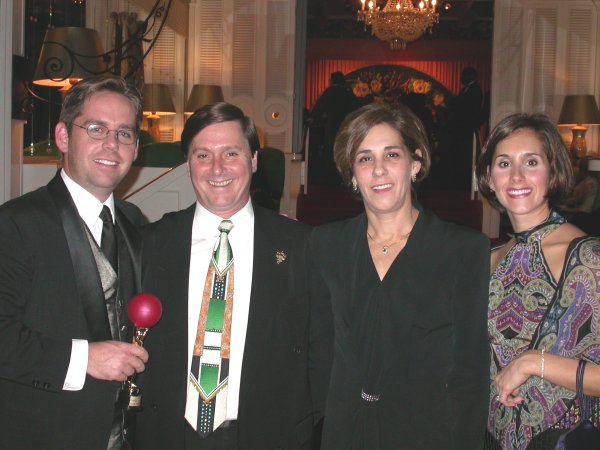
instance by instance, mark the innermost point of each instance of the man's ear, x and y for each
(255, 161)
(137, 148)
(61, 137)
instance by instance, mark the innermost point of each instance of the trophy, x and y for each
(144, 311)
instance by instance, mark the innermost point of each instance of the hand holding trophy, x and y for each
(144, 311)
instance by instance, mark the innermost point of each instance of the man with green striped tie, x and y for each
(238, 363)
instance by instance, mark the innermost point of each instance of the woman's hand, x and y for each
(514, 375)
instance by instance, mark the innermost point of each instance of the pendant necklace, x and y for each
(385, 248)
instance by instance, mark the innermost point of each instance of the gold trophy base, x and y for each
(130, 398)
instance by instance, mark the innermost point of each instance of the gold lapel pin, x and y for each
(280, 256)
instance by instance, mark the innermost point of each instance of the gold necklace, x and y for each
(385, 248)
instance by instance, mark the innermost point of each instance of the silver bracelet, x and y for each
(542, 375)
(369, 397)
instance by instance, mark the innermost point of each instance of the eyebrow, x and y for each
(105, 124)
(219, 148)
(385, 149)
(505, 155)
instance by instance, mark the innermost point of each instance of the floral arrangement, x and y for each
(388, 84)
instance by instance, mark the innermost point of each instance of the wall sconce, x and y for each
(156, 102)
(69, 54)
(202, 95)
(578, 111)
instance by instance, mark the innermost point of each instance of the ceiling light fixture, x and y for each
(400, 21)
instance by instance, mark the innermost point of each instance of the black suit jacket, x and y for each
(418, 338)
(286, 354)
(50, 293)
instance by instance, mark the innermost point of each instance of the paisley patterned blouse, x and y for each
(529, 309)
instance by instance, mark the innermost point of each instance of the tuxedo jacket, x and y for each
(287, 348)
(50, 293)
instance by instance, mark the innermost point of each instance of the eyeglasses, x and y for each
(100, 132)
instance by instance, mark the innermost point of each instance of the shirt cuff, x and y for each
(75, 378)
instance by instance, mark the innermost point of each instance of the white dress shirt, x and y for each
(241, 238)
(89, 208)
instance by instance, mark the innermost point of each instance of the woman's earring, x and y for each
(413, 178)
(354, 186)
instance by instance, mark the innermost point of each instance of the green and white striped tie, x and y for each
(206, 405)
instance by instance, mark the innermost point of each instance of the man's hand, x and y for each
(114, 360)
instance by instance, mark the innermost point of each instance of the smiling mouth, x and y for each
(517, 192)
(382, 186)
(220, 183)
(106, 162)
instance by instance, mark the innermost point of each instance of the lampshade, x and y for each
(201, 95)
(579, 110)
(594, 165)
(69, 54)
(157, 100)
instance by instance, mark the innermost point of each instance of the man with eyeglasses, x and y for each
(69, 263)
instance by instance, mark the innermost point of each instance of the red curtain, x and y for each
(446, 72)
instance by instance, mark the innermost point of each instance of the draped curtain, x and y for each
(446, 72)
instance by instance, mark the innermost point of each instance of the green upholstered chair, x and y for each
(160, 154)
(145, 138)
(267, 182)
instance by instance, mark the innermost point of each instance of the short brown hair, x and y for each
(218, 113)
(357, 125)
(561, 172)
(84, 89)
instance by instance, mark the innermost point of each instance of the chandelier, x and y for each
(399, 21)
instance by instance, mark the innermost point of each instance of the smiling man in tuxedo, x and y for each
(69, 262)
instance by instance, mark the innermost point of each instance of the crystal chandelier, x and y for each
(399, 21)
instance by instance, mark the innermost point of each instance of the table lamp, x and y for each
(156, 102)
(578, 111)
(201, 95)
(69, 54)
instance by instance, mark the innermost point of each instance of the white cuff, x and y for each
(75, 378)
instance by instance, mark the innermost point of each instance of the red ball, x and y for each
(144, 310)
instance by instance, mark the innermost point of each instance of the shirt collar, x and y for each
(88, 206)
(206, 223)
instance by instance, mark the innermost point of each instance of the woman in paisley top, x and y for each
(544, 311)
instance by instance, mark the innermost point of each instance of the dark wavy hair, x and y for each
(357, 125)
(561, 178)
(218, 113)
